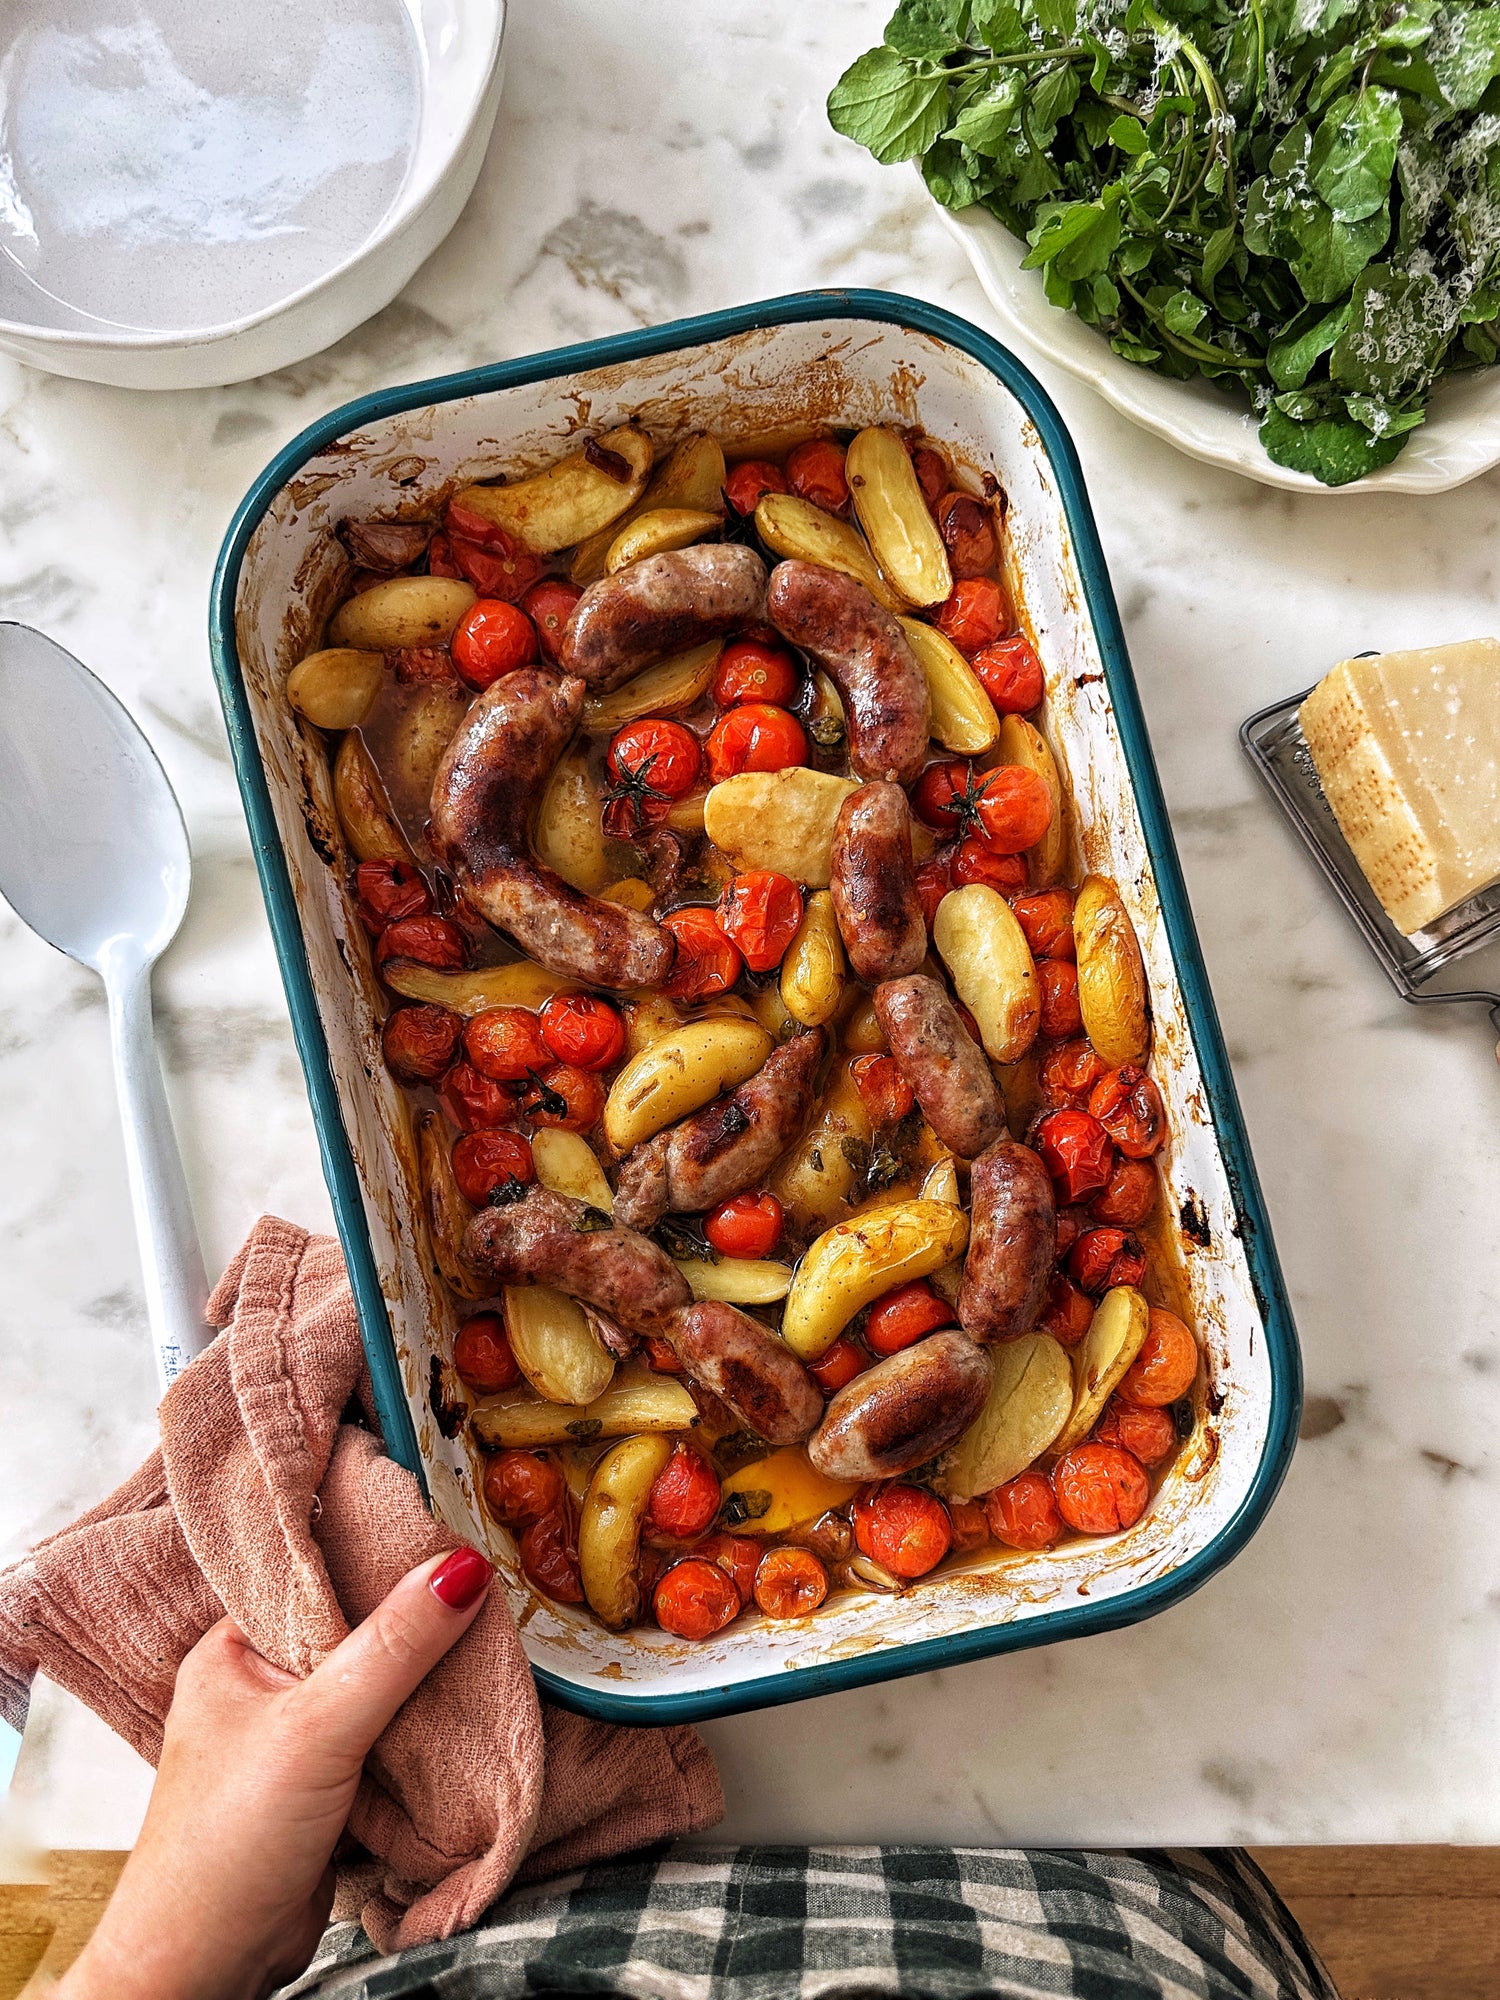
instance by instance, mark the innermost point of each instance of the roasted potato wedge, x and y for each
(671, 687)
(780, 1494)
(863, 1034)
(814, 970)
(815, 1181)
(677, 1074)
(364, 807)
(854, 1262)
(336, 688)
(569, 834)
(795, 527)
(635, 1401)
(768, 1007)
(566, 1163)
(448, 1214)
(778, 819)
(686, 814)
(961, 715)
(1111, 976)
(1019, 743)
(610, 1523)
(693, 476)
(571, 500)
(403, 611)
(989, 961)
(413, 746)
(738, 1281)
(888, 505)
(657, 532)
(647, 1019)
(555, 1347)
(521, 984)
(1030, 1400)
(1103, 1358)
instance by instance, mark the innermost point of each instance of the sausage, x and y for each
(551, 1239)
(727, 1146)
(942, 1062)
(661, 605)
(484, 799)
(874, 886)
(859, 643)
(748, 1369)
(903, 1410)
(1012, 1242)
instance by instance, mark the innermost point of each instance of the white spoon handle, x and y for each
(171, 1258)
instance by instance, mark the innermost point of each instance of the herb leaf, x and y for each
(889, 105)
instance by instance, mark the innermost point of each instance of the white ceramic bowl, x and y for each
(1460, 439)
(145, 249)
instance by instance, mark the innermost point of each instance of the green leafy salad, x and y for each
(1300, 196)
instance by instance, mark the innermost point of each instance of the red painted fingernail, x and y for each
(461, 1580)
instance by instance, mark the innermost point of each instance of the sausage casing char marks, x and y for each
(861, 647)
(551, 1239)
(897, 1414)
(661, 605)
(1012, 1242)
(752, 1372)
(484, 799)
(946, 1068)
(873, 882)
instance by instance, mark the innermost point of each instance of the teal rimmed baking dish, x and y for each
(847, 358)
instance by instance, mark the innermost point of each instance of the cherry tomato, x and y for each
(492, 638)
(790, 1583)
(1099, 1488)
(414, 665)
(1067, 1313)
(706, 963)
(750, 480)
(650, 764)
(883, 1090)
(760, 912)
(931, 468)
(1167, 1365)
(506, 1043)
(387, 891)
(1147, 1434)
(976, 859)
(968, 531)
(435, 941)
(1057, 993)
(975, 615)
(549, 606)
(660, 1357)
(474, 1101)
(484, 1161)
(1010, 674)
(905, 1315)
(1023, 1513)
(1010, 806)
(1128, 1196)
(482, 552)
(1046, 919)
(747, 1225)
(839, 1365)
(971, 1530)
(1128, 1105)
(1067, 1074)
(583, 1031)
(521, 1486)
(695, 1599)
(815, 471)
(737, 1556)
(549, 1557)
(933, 881)
(482, 1356)
(1103, 1258)
(754, 737)
(1077, 1152)
(750, 671)
(563, 1099)
(420, 1042)
(684, 1495)
(1071, 1223)
(903, 1528)
(440, 560)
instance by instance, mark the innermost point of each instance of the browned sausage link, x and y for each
(661, 605)
(727, 1146)
(942, 1062)
(873, 882)
(747, 1368)
(902, 1410)
(1012, 1242)
(550, 1239)
(484, 798)
(860, 644)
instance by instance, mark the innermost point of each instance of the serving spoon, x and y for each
(94, 857)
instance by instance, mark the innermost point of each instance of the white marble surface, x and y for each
(1338, 1682)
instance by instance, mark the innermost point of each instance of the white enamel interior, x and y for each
(850, 372)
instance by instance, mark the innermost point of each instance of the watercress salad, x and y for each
(1298, 196)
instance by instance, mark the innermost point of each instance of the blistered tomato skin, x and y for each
(749, 670)
(1046, 920)
(1104, 1258)
(737, 1556)
(1100, 1488)
(1010, 674)
(484, 1161)
(386, 891)
(475, 1102)
(684, 1496)
(1010, 806)
(790, 1583)
(695, 1599)
(481, 551)
(650, 764)
(839, 1365)
(904, 1316)
(747, 1225)
(1057, 984)
(420, 1042)
(560, 1098)
(968, 531)
(1129, 1195)
(883, 1090)
(549, 606)
(1167, 1366)
(749, 482)
(976, 859)
(584, 1031)
(1066, 1075)
(933, 881)
(493, 638)
(975, 616)
(815, 471)
(971, 1528)
(434, 941)
(482, 1356)
(505, 1044)
(760, 912)
(1077, 1152)
(903, 1528)
(1023, 1513)
(757, 736)
(931, 469)
(1147, 1434)
(707, 962)
(1128, 1105)
(549, 1557)
(522, 1486)
(1067, 1313)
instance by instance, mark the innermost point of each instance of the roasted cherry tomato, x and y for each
(549, 1556)
(549, 606)
(651, 763)
(737, 1556)
(435, 941)
(933, 881)
(440, 560)
(1147, 1434)
(1010, 674)
(1046, 919)
(583, 1031)
(560, 1098)
(1023, 1513)
(386, 891)
(695, 1599)
(414, 665)
(684, 1495)
(1128, 1196)
(1067, 1313)
(754, 737)
(975, 615)
(903, 1528)
(1128, 1105)
(492, 638)
(1167, 1364)
(420, 1042)
(1067, 1074)
(904, 1316)
(706, 963)
(482, 1356)
(976, 859)
(751, 671)
(1099, 1488)
(749, 481)
(968, 530)
(1071, 1223)
(482, 551)
(971, 1528)
(484, 1161)
(506, 1043)
(883, 1090)
(760, 912)
(842, 1362)
(790, 1583)
(661, 1358)
(474, 1101)
(1057, 994)
(1103, 1258)
(815, 471)
(747, 1225)
(931, 468)
(1010, 806)
(521, 1486)
(1077, 1152)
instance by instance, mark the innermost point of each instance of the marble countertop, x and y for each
(1337, 1682)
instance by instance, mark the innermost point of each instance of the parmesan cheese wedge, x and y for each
(1407, 749)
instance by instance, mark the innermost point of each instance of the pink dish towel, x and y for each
(263, 1503)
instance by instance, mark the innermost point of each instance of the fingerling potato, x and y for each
(1020, 743)
(854, 1262)
(815, 1181)
(737, 1281)
(781, 820)
(610, 1523)
(981, 942)
(813, 971)
(677, 1074)
(569, 836)
(1103, 1359)
(1029, 1401)
(555, 1347)
(671, 687)
(566, 1163)
(888, 505)
(693, 476)
(792, 526)
(364, 807)
(657, 532)
(403, 611)
(571, 500)
(521, 984)
(448, 1214)
(634, 1401)
(1111, 977)
(419, 734)
(960, 714)
(336, 688)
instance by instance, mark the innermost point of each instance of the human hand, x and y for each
(229, 1886)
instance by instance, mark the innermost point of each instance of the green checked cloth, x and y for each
(841, 1923)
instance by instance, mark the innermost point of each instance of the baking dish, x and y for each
(850, 358)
